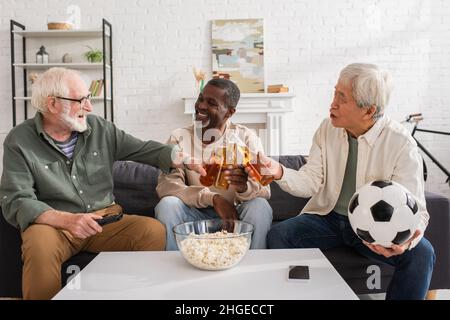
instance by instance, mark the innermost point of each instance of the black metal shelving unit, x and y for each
(19, 30)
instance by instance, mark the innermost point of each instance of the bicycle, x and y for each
(416, 118)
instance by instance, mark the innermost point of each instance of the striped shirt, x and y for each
(68, 146)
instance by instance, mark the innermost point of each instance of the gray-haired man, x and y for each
(57, 181)
(356, 145)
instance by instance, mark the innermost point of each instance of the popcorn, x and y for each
(214, 251)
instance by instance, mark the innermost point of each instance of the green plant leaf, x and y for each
(93, 55)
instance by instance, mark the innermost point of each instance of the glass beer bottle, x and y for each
(257, 168)
(214, 169)
(234, 154)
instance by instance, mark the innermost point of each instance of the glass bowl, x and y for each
(213, 244)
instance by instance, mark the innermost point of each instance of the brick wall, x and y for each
(156, 44)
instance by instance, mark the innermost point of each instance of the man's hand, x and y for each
(79, 225)
(182, 160)
(224, 209)
(268, 167)
(82, 225)
(395, 249)
(237, 178)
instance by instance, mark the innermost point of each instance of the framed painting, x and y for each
(238, 52)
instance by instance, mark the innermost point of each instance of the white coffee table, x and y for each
(261, 275)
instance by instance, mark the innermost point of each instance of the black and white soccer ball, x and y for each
(383, 212)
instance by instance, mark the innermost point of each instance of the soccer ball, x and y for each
(383, 212)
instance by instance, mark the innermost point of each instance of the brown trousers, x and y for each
(45, 248)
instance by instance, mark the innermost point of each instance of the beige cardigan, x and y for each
(185, 184)
(386, 151)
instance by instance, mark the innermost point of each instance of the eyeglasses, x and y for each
(82, 101)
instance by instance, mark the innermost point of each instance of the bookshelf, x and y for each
(24, 44)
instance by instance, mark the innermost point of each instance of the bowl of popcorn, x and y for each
(213, 244)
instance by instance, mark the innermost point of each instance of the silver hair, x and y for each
(371, 85)
(52, 82)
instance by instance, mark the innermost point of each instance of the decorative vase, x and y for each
(67, 58)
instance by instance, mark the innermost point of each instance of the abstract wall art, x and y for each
(238, 52)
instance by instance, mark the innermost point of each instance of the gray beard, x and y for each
(72, 123)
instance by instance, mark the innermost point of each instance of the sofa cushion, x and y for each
(283, 204)
(135, 184)
(134, 187)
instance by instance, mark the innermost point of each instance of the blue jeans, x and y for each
(413, 268)
(172, 211)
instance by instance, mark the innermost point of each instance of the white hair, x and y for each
(52, 82)
(371, 85)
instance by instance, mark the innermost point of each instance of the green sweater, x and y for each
(349, 183)
(38, 177)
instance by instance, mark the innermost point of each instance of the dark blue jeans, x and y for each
(413, 268)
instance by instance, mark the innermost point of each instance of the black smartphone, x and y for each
(298, 273)
(110, 219)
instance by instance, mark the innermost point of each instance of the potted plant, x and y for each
(94, 55)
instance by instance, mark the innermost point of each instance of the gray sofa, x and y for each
(135, 191)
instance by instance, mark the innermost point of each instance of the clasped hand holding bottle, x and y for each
(234, 156)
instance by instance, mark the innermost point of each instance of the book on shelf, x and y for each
(277, 88)
(96, 87)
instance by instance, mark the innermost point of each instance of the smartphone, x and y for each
(109, 219)
(298, 273)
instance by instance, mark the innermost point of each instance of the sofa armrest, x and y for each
(11, 261)
(438, 233)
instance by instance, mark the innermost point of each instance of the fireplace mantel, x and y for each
(268, 109)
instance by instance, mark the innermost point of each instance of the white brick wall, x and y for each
(157, 42)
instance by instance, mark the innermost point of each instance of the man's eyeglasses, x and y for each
(82, 101)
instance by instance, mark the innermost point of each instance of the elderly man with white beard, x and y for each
(57, 181)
